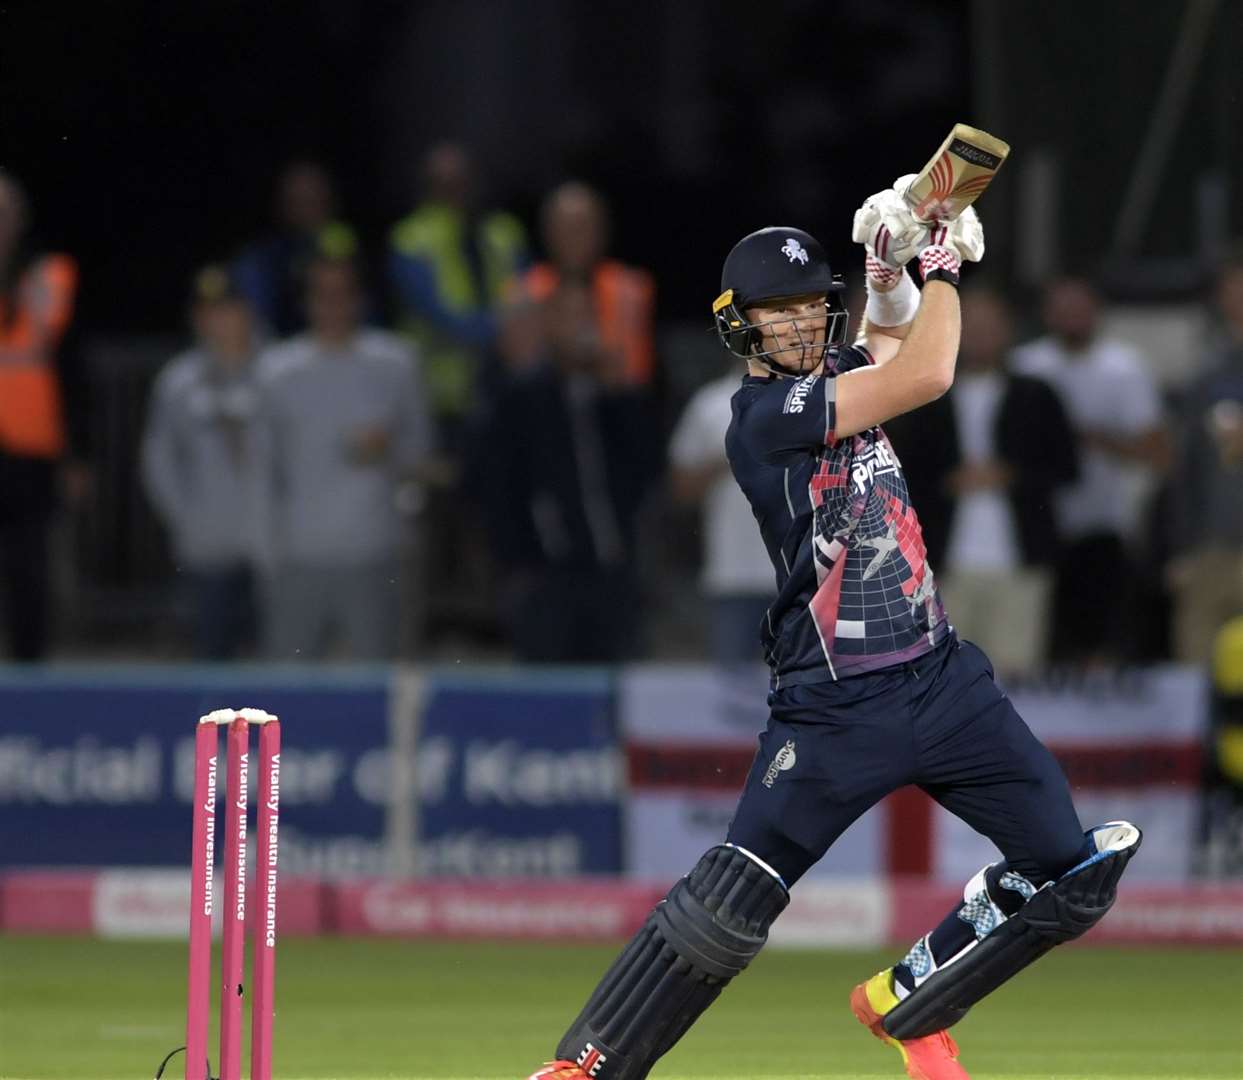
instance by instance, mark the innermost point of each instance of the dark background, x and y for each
(149, 133)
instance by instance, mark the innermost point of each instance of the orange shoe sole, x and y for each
(932, 1057)
(559, 1070)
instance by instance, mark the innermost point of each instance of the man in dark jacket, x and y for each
(983, 463)
(1207, 538)
(271, 273)
(566, 455)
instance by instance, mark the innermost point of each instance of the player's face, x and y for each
(792, 332)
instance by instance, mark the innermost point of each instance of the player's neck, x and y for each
(756, 368)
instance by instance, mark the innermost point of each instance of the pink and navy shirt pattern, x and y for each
(855, 591)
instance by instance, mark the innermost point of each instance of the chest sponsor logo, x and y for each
(796, 399)
(873, 462)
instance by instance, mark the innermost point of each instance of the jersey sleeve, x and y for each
(850, 357)
(790, 417)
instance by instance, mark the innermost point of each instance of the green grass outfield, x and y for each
(362, 1010)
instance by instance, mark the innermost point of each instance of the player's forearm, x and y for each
(869, 332)
(930, 350)
(923, 368)
(921, 371)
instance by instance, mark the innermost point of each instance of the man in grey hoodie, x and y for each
(344, 426)
(198, 458)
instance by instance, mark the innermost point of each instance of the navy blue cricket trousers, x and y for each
(833, 750)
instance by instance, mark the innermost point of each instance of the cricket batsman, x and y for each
(871, 688)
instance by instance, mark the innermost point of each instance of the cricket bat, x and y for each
(957, 174)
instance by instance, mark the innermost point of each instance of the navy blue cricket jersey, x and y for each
(855, 591)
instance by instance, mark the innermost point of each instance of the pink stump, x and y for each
(234, 923)
(263, 948)
(202, 863)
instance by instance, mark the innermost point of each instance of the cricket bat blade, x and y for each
(957, 174)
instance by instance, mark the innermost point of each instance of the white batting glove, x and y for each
(965, 234)
(885, 225)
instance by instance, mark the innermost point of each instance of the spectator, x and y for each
(344, 426)
(449, 264)
(1116, 415)
(984, 463)
(576, 236)
(41, 434)
(567, 455)
(198, 463)
(1207, 572)
(520, 343)
(737, 576)
(271, 273)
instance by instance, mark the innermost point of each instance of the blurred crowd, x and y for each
(358, 456)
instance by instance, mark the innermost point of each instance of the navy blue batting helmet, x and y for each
(771, 264)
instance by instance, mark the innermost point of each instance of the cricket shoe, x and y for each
(559, 1070)
(931, 1057)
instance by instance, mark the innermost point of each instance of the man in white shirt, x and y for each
(737, 577)
(1116, 413)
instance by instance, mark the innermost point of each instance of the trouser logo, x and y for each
(591, 1060)
(784, 759)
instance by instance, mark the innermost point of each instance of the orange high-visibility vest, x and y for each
(31, 418)
(624, 298)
